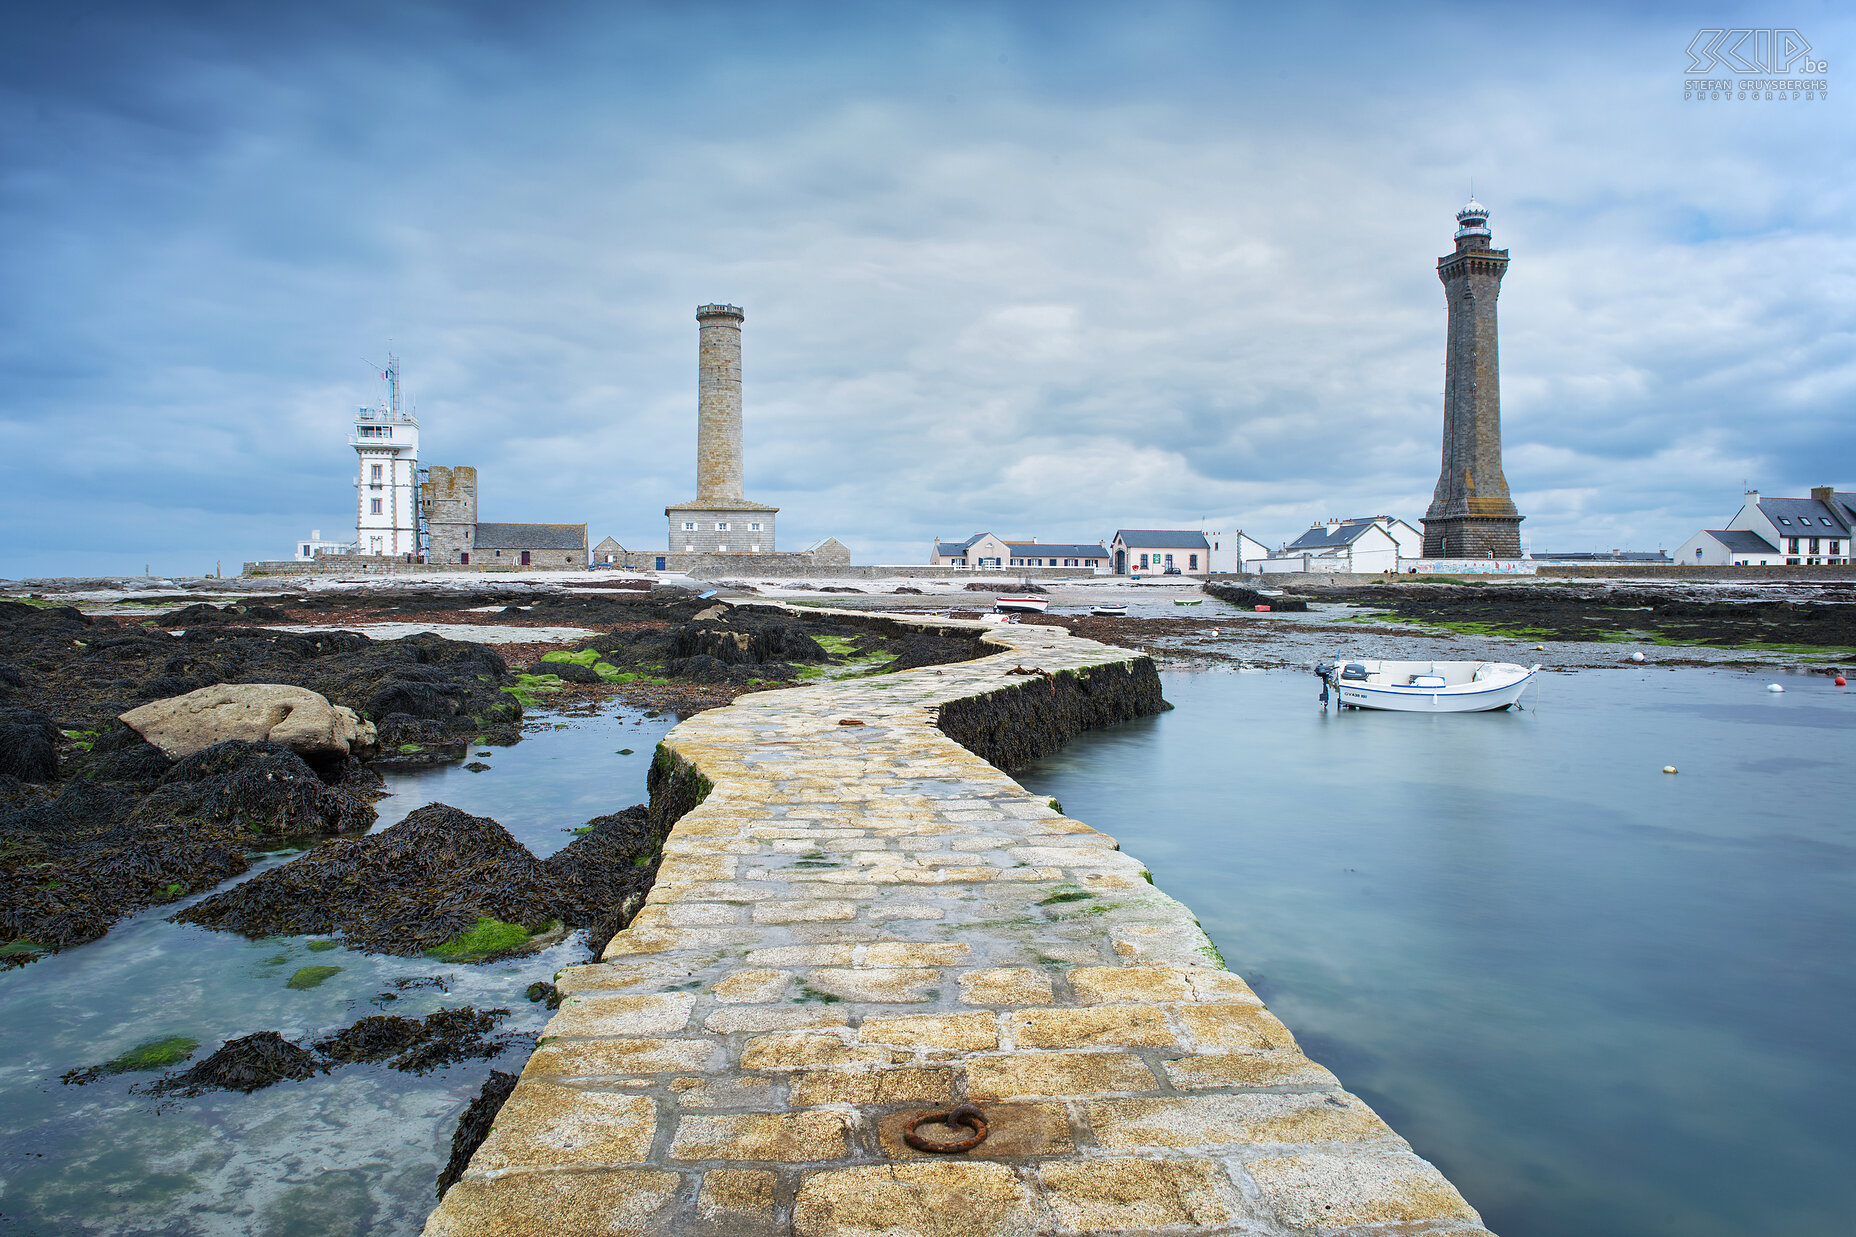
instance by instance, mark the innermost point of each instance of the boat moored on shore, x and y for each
(1020, 604)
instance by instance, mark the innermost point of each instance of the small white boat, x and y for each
(1109, 611)
(1020, 605)
(1425, 686)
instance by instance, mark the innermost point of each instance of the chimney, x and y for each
(1822, 493)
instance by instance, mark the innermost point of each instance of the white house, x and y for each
(1363, 546)
(1723, 547)
(306, 550)
(979, 550)
(1160, 550)
(1231, 550)
(1795, 532)
(986, 550)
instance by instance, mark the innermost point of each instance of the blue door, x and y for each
(660, 562)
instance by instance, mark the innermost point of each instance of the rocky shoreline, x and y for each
(97, 823)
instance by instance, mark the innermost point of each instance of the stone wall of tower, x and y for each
(722, 531)
(1471, 513)
(718, 405)
(450, 498)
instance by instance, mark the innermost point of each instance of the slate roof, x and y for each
(530, 537)
(956, 547)
(1161, 538)
(1742, 540)
(609, 546)
(1056, 549)
(1329, 536)
(1806, 516)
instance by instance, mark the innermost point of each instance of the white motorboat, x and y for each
(1020, 604)
(1425, 686)
(1109, 611)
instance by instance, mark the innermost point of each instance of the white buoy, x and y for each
(1636, 656)
(1669, 768)
(1540, 648)
(1774, 687)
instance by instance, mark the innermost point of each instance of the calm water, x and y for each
(1602, 999)
(354, 1151)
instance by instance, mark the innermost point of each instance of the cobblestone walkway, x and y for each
(865, 922)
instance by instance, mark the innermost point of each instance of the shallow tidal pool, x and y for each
(356, 1150)
(1605, 1000)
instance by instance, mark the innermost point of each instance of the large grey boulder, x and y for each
(295, 717)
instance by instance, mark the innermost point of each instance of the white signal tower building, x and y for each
(387, 479)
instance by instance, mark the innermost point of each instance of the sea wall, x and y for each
(697, 566)
(859, 922)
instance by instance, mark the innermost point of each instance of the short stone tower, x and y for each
(1471, 514)
(450, 496)
(720, 520)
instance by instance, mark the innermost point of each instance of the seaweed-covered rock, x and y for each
(698, 669)
(28, 745)
(257, 788)
(413, 698)
(1238, 595)
(71, 865)
(931, 651)
(405, 890)
(295, 717)
(238, 612)
(474, 1126)
(418, 1046)
(603, 875)
(122, 755)
(248, 1063)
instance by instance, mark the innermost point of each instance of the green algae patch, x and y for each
(581, 657)
(1055, 899)
(311, 976)
(322, 946)
(21, 949)
(155, 1054)
(528, 686)
(488, 937)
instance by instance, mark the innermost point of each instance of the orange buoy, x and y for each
(1263, 609)
(1841, 681)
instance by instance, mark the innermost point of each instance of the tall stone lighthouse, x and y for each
(720, 519)
(1471, 515)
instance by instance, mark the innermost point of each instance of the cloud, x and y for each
(1053, 277)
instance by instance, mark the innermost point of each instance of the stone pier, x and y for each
(861, 921)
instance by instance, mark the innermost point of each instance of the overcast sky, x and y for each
(1041, 269)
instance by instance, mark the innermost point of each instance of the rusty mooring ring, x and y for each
(968, 1115)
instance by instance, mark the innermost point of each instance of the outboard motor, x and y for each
(1353, 672)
